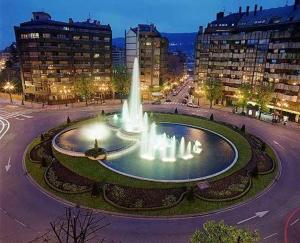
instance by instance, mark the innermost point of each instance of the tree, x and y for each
(120, 81)
(84, 87)
(77, 226)
(68, 120)
(213, 90)
(221, 233)
(264, 96)
(244, 95)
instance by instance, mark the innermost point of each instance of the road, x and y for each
(26, 212)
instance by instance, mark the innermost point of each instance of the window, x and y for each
(148, 43)
(30, 36)
(60, 36)
(66, 28)
(76, 37)
(46, 35)
(106, 39)
(96, 55)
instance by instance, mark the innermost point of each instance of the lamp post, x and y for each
(9, 87)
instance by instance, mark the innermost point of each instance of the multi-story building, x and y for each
(253, 46)
(53, 54)
(146, 43)
(177, 66)
(118, 56)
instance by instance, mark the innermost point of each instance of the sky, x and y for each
(174, 16)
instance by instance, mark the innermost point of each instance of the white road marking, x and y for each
(18, 221)
(26, 116)
(269, 236)
(257, 214)
(6, 125)
(278, 144)
(8, 166)
(20, 119)
(294, 222)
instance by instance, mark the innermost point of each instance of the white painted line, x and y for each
(294, 222)
(278, 144)
(257, 214)
(18, 221)
(7, 125)
(26, 116)
(20, 119)
(8, 166)
(269, 236)
(3, 210)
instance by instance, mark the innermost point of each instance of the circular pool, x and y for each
(218, 153)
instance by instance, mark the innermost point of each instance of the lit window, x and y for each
(66, 28)
(96, 55)
(46, 35)
(106, 39)
(97, 78)
(34, 35)
(148, 43)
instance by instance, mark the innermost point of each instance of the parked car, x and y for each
(174, 93)
(168, 100)
(184, 101)
(156, 102)
(192, 105)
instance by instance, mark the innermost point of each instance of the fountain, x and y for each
(151, 143)
(136, 146)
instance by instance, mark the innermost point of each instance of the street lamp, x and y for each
(9, 87)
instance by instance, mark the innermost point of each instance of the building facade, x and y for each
(54, 54)
(258, 46)
(118, 56)
(146, 43)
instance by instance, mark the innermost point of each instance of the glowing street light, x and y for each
(9, 87)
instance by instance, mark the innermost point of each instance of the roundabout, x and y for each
(141, 163)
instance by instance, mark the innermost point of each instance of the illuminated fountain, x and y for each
(136, 146)
(152, 144)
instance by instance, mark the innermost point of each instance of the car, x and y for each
(174, 94)
(156, 102)
(168, 100)
(192, 105)
(184, 101)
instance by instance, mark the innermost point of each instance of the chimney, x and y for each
(247, 10)
(255, 9)
(261, 8)
(220, 15)
(240, 10)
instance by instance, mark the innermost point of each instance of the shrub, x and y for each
(254, 171)
(118, 192)
(176, 111)
(211, 117)
(139, 203)
(96, 189)
(263, 147)
(68, 120)
(243, 128)
(190, 196)
(102, 113)
(44, 162)
(169, 200)
(42, 137)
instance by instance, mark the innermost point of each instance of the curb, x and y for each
(162, 217)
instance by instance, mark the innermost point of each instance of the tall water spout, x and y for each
(182, 148)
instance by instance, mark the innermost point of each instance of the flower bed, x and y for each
(60, 178)
(141, 198)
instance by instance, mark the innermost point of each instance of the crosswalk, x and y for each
(18, 115)
(174, 103)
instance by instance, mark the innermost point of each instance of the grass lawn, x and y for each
(95, 171)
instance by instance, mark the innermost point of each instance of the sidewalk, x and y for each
(34, 105)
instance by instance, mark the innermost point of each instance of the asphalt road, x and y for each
(25, 212)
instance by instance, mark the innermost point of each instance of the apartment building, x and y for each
(53, 54)
(146, 43)
(253, 46)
